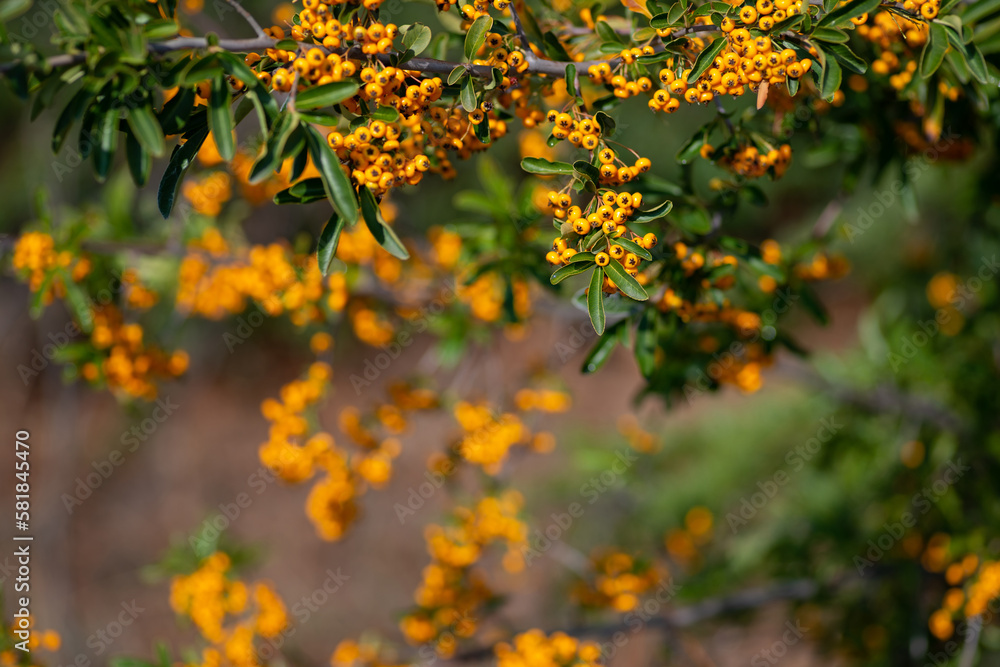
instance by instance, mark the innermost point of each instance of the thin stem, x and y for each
(235, 4)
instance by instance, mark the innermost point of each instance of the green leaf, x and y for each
(705, 59)
(570, 78)
(305, 191)
(848, 11)
(456, 74)
(634, 248)
(328, 240)
(654, 213)
(977, 63)
(692, 147)
(468, 95)
(386, 114)
(180, 160)
(10, 9)
(417, 37)
(977, 10)
(258, 93)
(271, 158)
(176, 113)
(383, 233)
(220, 118)
(326, 95)
(601, 352)
(847, 57)
(338, 187)
(208, 67)
(607, 33)
(571, 269)
(146, 130)
(606, 122)
(830, 78)
(542, 167)
(834, 35)
(476, 36)
(587, 171)
(933, 54)
(71, 113)
(645, 342)
(629, 286)
(140, 162)
(595, 300)
(107, 138)
(694, 221)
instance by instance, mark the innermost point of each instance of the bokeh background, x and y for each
(712, 451)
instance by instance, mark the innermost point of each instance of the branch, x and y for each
(536, 65)
(683, 617)
(249, 18)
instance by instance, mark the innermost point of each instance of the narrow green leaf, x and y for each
(601, 352)
(933, 54)
(705, 59)
(180, 160)
(595, 300)
(830, 78)
(629, 286)
(328, 240)
(380, 229)
(220, 118)
(476, 36)
(634, 248)
(326, 95)
(848, 11)
(338, 187)
(570, 78)
(654, 213)
(847, 58)
(468, 95)
(646, 341)
(140, 162)
(571, 269)
(271, 157)
(543, 167)
(146, 130)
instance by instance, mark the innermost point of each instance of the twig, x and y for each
(249, 18)
(683, 617)
(521, 34)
